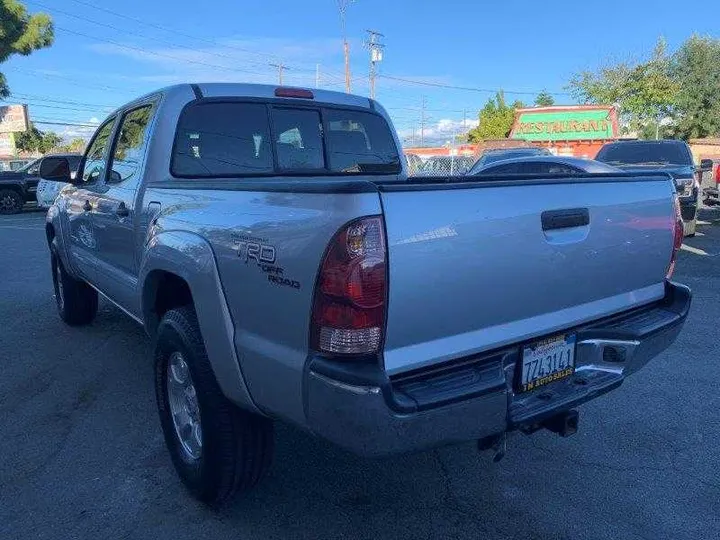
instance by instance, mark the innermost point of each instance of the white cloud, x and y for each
(235, 60)
(441, 131)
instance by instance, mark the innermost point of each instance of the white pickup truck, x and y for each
(287, 268)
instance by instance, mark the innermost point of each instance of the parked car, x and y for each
(543, 164)
(14, 164)
(712, 192)
(442, 165)
(47, 190)
(667, 156)
(499, 154)
(288, 272)
(19, 187)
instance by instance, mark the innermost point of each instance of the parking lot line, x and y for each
(691, 249)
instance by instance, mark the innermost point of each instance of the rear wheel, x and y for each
(11, 201)
(217, 448)
(77, 302)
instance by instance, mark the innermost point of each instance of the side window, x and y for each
(131, 144)
(222, 139)
(508, 168)
(95, 161)
(299, 139)
(34, 170)
(549, 168)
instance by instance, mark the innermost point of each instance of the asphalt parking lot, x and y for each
(82, 455)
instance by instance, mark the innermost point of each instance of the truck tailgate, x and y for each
(474, 267)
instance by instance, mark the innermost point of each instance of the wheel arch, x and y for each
(179, 268)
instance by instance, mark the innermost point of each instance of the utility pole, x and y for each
(317, 75)
(342, 8)
(376, 55)
(412, 136)
(422, 121)
(280, 67)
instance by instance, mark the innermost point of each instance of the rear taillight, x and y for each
(678, 233)
(348, 316)
(717, 174)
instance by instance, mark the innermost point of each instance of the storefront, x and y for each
(575, 130)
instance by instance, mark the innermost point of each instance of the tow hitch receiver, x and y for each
(564, 424)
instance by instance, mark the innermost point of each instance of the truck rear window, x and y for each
(216, 139)
(645, 153)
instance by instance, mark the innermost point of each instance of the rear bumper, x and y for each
(356, 406)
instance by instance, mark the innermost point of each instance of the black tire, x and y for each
(11, 201)
(77, 302)
(237, 446)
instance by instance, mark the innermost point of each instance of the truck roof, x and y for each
(266, 91)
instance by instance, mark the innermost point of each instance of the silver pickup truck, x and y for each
(271, 243)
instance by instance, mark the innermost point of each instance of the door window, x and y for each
(131, 144)
(95, 160)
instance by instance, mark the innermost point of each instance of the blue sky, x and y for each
(104, 55)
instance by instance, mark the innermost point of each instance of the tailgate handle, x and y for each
(564, 219)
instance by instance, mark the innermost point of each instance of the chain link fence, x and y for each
(438, 165)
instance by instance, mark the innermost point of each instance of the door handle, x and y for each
(87, 206)
(564, 219)
(122, 210)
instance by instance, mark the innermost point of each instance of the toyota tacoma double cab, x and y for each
(287, 268)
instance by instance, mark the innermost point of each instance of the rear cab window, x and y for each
(235, 138)
(645, 153)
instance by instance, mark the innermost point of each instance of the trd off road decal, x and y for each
(265, 256)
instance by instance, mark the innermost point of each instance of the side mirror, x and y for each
(115, 177)
(706, 165)
(56, 169)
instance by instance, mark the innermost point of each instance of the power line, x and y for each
(74, 80)
(155, 53)
(131, 33)
(56, 122)
(180, 33)
(467, 88)
(43, 106)
(61, 101)
(169, 30)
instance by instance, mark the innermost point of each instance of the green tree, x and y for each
(544, 99)
(695, 67)
(34, 140)
(644, 91)
(77, 146)
(495, 119)
(21, 33)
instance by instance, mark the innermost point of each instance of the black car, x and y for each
(19, 187)
(667, 156)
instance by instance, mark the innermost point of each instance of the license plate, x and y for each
(547, 361)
